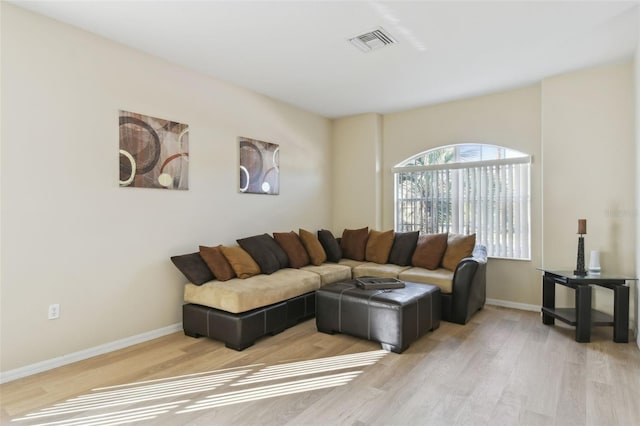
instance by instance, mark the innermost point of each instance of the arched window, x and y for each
(466, 189)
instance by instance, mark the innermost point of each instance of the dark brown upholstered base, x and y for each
(469, 288)
(395, 318)
(239, 331)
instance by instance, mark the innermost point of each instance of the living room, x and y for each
(105, 250)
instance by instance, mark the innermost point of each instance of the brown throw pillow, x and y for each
(242, 263)
(354, 243)
(293, 247)
(216, 261)
(458, 247)
(379, 246)
(429, 251)
(313, 246)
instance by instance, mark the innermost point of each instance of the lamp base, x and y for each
(580, 271)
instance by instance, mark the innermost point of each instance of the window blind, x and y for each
(488, 198)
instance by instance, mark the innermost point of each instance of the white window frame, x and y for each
(491, 198)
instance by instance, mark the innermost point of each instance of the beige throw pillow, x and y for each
(316, 252)
(458, 247)
(379, 246)
(242, 263)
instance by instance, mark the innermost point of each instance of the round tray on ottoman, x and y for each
(393, 317)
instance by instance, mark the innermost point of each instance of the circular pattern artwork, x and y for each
(259, 167)
(154, 153)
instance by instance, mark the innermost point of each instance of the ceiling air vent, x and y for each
(372, 40)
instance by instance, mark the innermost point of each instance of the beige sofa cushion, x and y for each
(440, 277)
(351, 263)
(241, 295)
(330, 272)
(373, 269)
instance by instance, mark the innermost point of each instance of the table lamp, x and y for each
(582, 230)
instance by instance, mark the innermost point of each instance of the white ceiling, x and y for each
(297, 51)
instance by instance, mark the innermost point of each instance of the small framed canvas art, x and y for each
(259, 167)
(154, 153)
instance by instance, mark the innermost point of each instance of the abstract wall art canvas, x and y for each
(259, 167)
(154, 153)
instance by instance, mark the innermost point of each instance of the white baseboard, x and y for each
(28, 370)
(514, 305)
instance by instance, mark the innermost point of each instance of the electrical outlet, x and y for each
(54, 311)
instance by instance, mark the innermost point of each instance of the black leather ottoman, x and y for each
(395, 318)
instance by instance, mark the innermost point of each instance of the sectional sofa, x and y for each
(265, 284)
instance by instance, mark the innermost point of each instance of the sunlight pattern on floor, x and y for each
(287, 388)
(116, 417)
(321, 365)
(202, 385)
(108, 399)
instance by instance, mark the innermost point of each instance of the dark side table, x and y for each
(583, 317)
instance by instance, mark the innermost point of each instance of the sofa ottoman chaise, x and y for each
(395, 318)
(237, 294)
(240, 311)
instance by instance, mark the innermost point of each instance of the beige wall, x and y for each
(70, 235)
(589, 170)
(579, 129)
(637, 162)
(356, 173)
(510, 119)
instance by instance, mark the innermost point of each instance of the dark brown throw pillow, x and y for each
(429, 250)
(354, 243)
(216, 261)
(283, 259)
(404, 244)
(265, 251)
(330, 245)
(458, 247)
(378, 246)
(293, 247)
(313, 246)
(193, 268)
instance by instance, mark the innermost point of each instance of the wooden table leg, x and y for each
(583, 313)
(548, 298)
(621, 314)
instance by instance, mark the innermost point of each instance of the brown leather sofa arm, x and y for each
(469, 291)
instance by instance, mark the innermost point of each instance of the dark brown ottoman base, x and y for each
(395, 318)
(239, 331)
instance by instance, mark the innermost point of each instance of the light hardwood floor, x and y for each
(503, 368)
